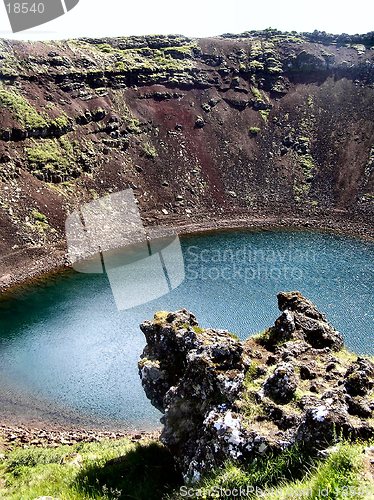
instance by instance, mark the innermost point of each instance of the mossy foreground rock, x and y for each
(226, 399)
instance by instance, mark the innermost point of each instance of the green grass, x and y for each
(256, 65)
(110, 49)
(250, 408)
(67, 146)
(307, 164)
(40, 221)
(145, 471)
(120, 66)
(106, 470)
(234, 336)
(340, 476)
(310, 101)
(175, 58)
(257, 94)
(60, 122)
(52, 157)
(301, 189)
(38, 216)
(47, 153)
(198, 329)
(268, 337)
(261, 337)
(105, 47)
(133, 125)
(262, 472)
(149, 151)
(264, 113)
(293, 474)
(254, 130)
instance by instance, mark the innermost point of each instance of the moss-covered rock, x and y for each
(223, 399)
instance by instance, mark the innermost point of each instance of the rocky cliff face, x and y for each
(261, 124)
(223, 399)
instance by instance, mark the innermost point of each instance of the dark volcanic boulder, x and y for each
(302, 320)
(322, 422)
(282, 385)
(359, 377)
(192, 376)
(223, 399)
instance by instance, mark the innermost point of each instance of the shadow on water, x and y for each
(148, 472)
(37, 303)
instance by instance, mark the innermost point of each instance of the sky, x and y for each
(198, 18)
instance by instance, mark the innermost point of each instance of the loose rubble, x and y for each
(23, 436)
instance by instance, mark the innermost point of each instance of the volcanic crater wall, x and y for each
(264, 124)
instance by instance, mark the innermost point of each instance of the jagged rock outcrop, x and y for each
(302, 320)
(225, 399)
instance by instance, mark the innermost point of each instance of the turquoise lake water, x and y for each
(65, 341)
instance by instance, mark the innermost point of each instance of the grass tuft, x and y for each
(293, 474)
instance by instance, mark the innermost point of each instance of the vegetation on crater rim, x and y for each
(122, 469)
(54, 160)
(147, 58)
(27, 116)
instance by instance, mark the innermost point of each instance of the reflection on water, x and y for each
(64, 340)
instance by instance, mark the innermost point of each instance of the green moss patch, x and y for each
(172, 58)
(254, 131)
(22, 110)
(47, 154)
(149, 151)
(52, 160)
(26, 115)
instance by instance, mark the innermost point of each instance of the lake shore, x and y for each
(28, 419)
(47, 436)
(29, 264)
(25, 416)
(21, 413)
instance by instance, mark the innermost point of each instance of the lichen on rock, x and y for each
(223, 399)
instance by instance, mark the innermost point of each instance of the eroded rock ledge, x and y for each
(226, 399)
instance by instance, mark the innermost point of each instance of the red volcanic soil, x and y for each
(259, 130)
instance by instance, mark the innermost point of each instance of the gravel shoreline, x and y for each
(12, 436)
(28, 265)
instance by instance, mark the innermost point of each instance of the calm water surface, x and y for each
(65, 341)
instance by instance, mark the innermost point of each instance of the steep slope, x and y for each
(261, 126)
